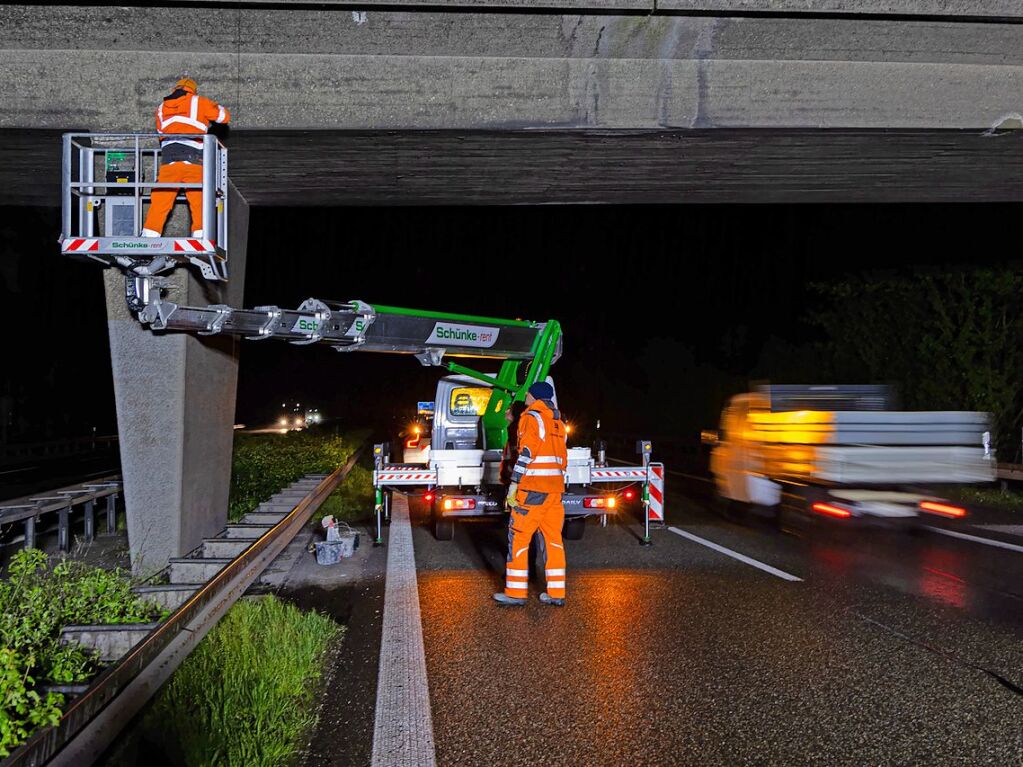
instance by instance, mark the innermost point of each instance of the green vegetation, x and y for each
(353, 498)
(246, 695)
(994, 497)
(265, 463)
(36, 602)
(950, 339)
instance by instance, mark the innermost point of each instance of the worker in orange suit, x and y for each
(534, 499)
(182, 112)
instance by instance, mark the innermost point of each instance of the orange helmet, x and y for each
(186, 84)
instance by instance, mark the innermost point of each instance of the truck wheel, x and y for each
(443, 529)
(574, 528)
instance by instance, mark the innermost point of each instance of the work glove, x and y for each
(509, 500)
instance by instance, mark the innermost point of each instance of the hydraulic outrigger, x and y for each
(525, 349)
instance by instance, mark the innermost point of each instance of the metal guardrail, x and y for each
(63, 502)
(94, 719)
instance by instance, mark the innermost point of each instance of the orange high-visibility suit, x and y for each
(183, 111)
(540, 474)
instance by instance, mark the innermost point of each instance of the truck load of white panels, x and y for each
(890, 428)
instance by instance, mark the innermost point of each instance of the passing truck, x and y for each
(843, 453)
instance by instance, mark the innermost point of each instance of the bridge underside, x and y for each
(448, 167)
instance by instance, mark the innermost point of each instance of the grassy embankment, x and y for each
(269, 645)
(37, 599)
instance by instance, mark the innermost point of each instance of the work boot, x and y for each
(547, 599)
(199, 234)
(149, 233)
(503, 599)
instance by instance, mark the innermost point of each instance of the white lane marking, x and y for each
(403, 730)
(736, 555)
(976, 539)
(1011, 529)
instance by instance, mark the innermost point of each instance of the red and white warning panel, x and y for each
(142, 246)
(655, 511)
(621, 474)
(401, 476)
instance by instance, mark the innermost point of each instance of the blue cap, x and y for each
(542, 390)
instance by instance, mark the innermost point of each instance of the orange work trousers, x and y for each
(534, 512)
(162, 200)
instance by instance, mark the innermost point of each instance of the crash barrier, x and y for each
(62, 502)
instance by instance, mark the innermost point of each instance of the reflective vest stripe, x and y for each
(549, 459)
(184, 121)
(522, 573)
(544, 473)
(539, 423)
(556, 571)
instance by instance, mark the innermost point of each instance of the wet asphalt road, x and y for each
(894, 649)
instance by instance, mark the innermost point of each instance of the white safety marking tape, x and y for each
(736, 555)
(403, 729)
(977, 539)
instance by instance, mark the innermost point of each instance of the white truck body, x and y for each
(862, 460)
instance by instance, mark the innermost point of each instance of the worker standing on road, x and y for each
(182, 112)
(534, 498)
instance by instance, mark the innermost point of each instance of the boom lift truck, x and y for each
(461, 477)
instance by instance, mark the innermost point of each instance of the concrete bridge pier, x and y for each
(175, 397)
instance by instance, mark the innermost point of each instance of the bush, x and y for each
(263, 464)
(353, 498)
(36, 602)
(246, 695)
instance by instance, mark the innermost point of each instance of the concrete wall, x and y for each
(279, 68)
(175, 397)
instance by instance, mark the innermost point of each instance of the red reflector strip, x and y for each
(943, 508)
(831, 511)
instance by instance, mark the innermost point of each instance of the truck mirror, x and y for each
(710, 437)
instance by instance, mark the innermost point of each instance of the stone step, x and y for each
(263, 517)
(195, 569)
(280, 508)
(110, 641)
(169, 596)
(219, 548)
(243, 530)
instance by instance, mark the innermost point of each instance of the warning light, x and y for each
(630, 494)
(943, 509)
(452, 504)
(428, 497)
(830, 510)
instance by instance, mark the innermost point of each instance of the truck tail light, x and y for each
(600, 502)
(830, 510)
(943, 509)
(452, 504)
(630, 494)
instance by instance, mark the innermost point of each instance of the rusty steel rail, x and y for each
(94, 719)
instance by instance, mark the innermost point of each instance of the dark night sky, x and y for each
(678, 303)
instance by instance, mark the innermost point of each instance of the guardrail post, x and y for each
(63, 533)
(30, 533)
(90, 520)
(111, 509)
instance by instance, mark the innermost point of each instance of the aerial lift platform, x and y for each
(105, 189)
